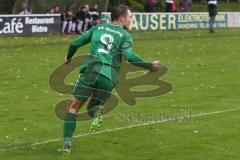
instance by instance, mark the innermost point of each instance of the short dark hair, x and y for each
(119, 11)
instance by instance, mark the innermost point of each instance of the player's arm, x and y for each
(78, 42)
(135, 59)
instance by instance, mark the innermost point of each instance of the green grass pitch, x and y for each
(203, 68)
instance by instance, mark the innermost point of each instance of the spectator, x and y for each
(67, 18)
(83, 19)
(74, 25)
(212, 9)
(87, 19)
(80, 18)
(56, 9)
(185, 5)
(150, 6)
(50, 10)
(168, 5)
(174, 6)
(24, 9)
(95, 15)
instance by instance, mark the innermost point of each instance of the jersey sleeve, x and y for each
(78, 42)
(133, 57)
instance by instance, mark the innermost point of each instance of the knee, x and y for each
(74, 106)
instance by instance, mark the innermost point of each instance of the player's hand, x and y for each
(156, 65)
(67, 60)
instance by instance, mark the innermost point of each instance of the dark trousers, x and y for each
(168, 7)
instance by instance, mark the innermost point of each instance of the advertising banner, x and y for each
(234, 19)
(29, 24)
(172, 21)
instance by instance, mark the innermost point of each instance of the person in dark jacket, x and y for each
(83, 18)
(150, 6)
(185, 5)
(67, 18)
(95, 15)
(168, 5)
(212, 9)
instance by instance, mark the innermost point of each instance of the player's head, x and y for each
(122, 14)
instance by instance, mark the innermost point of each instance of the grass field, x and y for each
(202, 67)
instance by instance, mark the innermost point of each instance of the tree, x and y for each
(135, 5)
(6, 6)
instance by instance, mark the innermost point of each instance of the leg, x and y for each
(211, 24)
(94, 104)
(73, 27)
(81, 92)
(96, 109)
(70, 122)
(79, 26)
(69, 28)
(86, 23)
(64, 25)
(213, 21)
(75, 105)
(99, 97)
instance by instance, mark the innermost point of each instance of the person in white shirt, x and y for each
(24, 9)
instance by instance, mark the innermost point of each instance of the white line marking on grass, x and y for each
(116, 129)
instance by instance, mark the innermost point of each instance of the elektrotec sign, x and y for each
(179, 21)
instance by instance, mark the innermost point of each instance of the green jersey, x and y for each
(109, 43)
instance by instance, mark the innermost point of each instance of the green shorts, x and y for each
(94, 85)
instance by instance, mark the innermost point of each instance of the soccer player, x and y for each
(99, 71)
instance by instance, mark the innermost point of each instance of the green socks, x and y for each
(69, 128)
